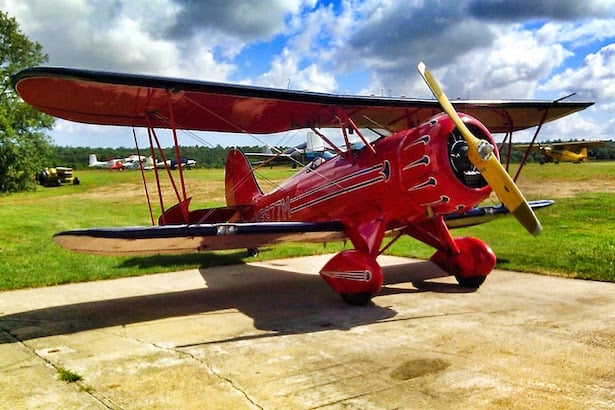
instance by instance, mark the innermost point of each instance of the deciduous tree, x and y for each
(24, 146)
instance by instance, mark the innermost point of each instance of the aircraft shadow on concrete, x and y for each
(279, 302)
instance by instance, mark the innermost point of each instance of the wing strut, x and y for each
(328, 141)
(507, 137)
(183, 203)
(151, 135)
(529, 148)
(176, 143)
(345, 121)
(149, 202)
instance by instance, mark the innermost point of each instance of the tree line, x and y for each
(78, 157)
(215, 157)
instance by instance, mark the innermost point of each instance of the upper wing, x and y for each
(573, 145)
(524, 147)
(142, 101)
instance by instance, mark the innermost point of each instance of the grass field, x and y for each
(577, 240)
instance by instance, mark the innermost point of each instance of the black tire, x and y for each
(252, 252)
(356, 299)
(472, 282)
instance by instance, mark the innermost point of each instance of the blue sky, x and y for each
(478, 49)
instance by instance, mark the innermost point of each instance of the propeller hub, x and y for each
(485, 149)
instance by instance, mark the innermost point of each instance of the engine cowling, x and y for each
(435, 169)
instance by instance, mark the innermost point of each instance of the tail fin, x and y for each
(583, 154)
(92, 160)
(240, 185)
(314, 143)
(148, 163)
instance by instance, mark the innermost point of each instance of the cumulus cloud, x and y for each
(476, 48)
(248, 20)
(595, 79)
(390, 39)
(515, 10)
(509, 69)
(285, 72)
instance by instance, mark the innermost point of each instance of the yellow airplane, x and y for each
(562, 151)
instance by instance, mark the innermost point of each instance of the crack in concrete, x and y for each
(208, 366)
(102, 400)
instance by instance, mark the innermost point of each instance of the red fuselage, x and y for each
(410, 177)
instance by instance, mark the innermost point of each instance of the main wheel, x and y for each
(471, 265)
(357, 299)
(473, 282)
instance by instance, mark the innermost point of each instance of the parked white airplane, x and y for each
(130, 162)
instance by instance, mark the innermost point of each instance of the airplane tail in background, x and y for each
(314, 143)
(583, 154)
(93, 160)
(148, 163)
(240, 185)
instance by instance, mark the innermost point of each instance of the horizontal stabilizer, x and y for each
(480, 215)
(167, 239)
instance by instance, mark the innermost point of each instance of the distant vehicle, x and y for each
(563, 151)
(56, 176)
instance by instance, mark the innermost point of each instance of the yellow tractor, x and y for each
(56, 176)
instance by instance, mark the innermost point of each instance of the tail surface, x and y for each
(92, 160)
(583, 154)
(240, 185)
(148, 163)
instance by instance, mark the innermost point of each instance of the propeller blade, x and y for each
(480, 154)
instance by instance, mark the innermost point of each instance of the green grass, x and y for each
(577, 240)
(68, 376)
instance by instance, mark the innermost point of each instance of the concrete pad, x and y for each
(273, 335)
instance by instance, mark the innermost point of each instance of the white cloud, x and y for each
(577, 34)
(511, 68)
(285, 72)
(595, 78)
(497, 49)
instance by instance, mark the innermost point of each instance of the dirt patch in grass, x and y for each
(564, 189)
(210, 191)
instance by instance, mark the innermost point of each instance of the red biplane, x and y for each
(427, 172)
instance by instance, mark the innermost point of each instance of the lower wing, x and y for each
(173, 239)
(151, 240)
(480, 215)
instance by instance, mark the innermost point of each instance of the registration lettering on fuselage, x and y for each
(276, 211)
